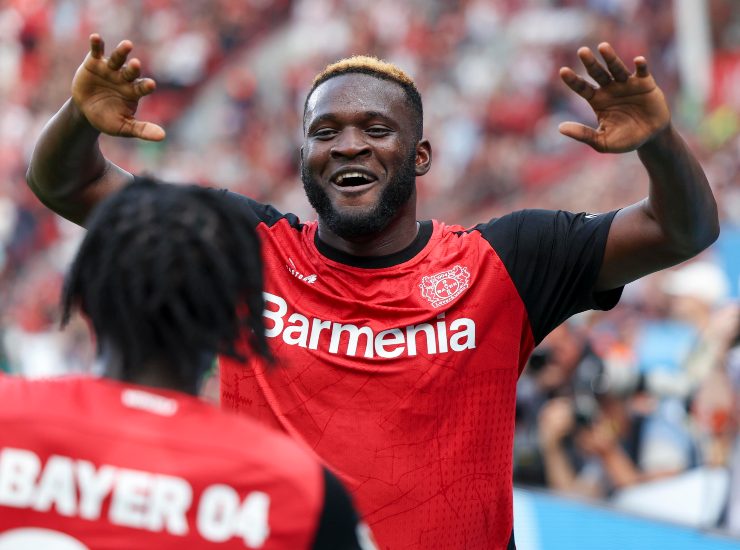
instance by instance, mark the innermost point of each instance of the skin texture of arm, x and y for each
(678, 219)
(68, 172)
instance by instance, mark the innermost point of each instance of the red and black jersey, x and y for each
(400, 371)
(92, 463)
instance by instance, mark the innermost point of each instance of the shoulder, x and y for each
(258, 212)
(27, 392)
(263, 213)
(537, 227)
(535, 219)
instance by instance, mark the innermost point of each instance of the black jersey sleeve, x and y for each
(260, 213)
(338, 527)
(257, 212)
(554, 259)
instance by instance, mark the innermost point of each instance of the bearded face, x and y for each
(372, 218)
(361, 155)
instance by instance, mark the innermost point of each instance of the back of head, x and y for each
(168, 274)
(363, 64)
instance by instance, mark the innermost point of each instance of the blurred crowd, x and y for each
(610, 401)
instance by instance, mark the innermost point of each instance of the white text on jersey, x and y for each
(138, 499)
(310, 279)
(437, 335)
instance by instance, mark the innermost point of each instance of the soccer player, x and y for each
(404, 338)
(135, 459)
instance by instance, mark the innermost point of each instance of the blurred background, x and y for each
(640, 403)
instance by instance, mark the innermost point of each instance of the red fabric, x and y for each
(423, 440)
(159, 445)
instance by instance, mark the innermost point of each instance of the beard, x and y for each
(357, 225)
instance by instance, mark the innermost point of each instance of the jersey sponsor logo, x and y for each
(138, 499)
(443, 287)
(433, 337)
(290, 266)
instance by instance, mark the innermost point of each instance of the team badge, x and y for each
(441, 288)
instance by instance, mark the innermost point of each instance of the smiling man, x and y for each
(402, 338)
(357, 189)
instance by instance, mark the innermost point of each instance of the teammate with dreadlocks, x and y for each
(133, 461)
(404, 338)
(170, 263)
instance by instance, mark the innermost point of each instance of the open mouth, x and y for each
(352, 179)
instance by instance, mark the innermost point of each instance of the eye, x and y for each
(324, 133)
(379, 131)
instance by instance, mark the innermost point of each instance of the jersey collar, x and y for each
(375, 262)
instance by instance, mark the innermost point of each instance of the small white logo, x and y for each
(310, 279)
(443, 287)
(150, 402)
(590, 216)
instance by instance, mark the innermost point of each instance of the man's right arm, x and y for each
(68, 172)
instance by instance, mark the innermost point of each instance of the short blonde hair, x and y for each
(364, 64)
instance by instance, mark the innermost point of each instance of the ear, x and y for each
(423, 157)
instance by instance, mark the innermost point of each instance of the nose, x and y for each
(350, 144)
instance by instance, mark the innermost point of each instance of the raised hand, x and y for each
(107, 91)
(629, 107)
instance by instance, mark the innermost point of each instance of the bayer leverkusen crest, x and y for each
(441, 288)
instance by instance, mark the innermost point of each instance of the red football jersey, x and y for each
(92, 463)
(400, 371)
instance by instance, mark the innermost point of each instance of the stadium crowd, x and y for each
(637, 394)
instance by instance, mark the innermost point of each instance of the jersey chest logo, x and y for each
(443, 287)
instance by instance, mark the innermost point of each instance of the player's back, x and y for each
(93, 463)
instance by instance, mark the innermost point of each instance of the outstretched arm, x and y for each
(68, 172)
(678, 219)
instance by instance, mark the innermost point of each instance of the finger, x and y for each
(593, 67)
(577, 84)
(131, 70)
(149, 131)
(641, 67)
(97, 46)
(119, 55)
(581, 133)
(144, 86)
(616, 66)
(143, 130)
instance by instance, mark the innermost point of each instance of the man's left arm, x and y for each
(678, 219)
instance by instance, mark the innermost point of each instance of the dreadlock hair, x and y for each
(169, 273)
(379, 69)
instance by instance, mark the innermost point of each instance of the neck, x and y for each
(159, 376)
(396, 236)
(152, 373)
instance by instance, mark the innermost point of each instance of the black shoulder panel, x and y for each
(263, 213)
(554, 259)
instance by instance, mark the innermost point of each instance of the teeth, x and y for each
(341, 177)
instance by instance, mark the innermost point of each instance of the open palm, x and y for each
(107, 91)
(629, 107)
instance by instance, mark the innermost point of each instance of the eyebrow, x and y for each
(332, 117)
